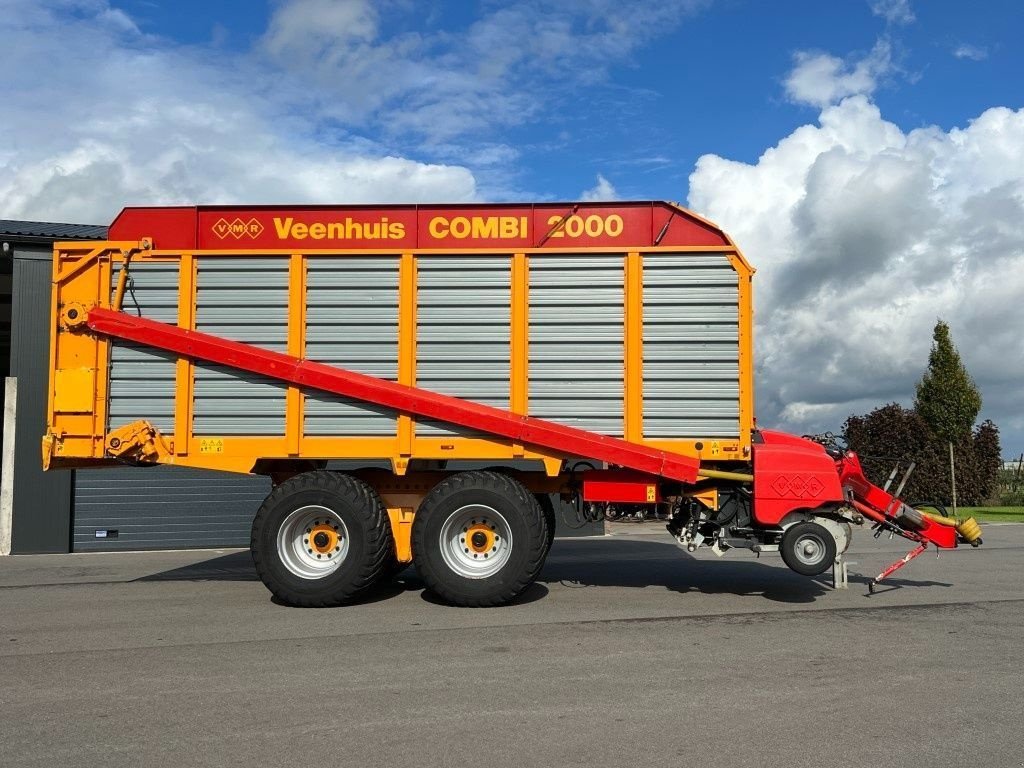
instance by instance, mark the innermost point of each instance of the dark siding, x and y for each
(164, 508)
(42, 502)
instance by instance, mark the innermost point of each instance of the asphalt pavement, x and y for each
(627, 652)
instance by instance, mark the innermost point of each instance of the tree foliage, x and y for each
(988, 453)
(893, 435)
(947, 397)
(947, 404)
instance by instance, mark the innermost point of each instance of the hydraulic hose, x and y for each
(717, 474)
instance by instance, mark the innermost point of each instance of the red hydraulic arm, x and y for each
(419, 402)
(890, 513)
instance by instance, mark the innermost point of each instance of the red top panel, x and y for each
(411, 227)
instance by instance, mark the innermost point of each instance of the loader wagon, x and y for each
(606, 346)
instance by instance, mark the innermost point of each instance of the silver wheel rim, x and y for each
(810, 549)
(466, 546)
(297, 542)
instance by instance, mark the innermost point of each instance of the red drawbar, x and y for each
(792, 474)
(851, 474)
(412, 400)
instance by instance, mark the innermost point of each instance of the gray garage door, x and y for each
(164, 508)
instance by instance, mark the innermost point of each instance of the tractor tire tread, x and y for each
(377, 536)
(534, 519)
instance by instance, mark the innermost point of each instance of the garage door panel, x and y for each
(164, 508)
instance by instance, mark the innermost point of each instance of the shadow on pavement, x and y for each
(891, 584)
(236, 566)
(582, 563)
(533, 593)
(375, 594)
(620, 562)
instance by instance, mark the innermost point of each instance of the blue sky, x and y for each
(709, 81)
(867, 155)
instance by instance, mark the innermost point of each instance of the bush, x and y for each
(892, 434)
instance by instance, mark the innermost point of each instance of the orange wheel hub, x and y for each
(322, 539)
(479, 539)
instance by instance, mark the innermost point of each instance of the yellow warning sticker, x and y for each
(716, 448)
(652, 493)
(211, 446)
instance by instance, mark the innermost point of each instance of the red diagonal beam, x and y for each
(412, 400)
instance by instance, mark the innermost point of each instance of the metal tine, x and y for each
(906, 477)
(892, 476)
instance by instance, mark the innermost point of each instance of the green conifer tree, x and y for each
(947, 397)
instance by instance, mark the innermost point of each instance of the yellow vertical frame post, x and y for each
(745, 352)
(102, 364)
(77, 405)
(519, 373)
(294, 401)
(185, 369)
(634, 353)
(746, 355)
(406, 352)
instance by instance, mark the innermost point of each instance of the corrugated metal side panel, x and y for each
(164, 508)
(351, 322)
(244, 300)
(691, 346)
(463, 317)
(576, 340)
(142, 378)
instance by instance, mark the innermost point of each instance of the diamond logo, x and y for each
(237, 228)
(814, 487)
(222, 229)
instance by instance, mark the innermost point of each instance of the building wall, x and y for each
(42, 502)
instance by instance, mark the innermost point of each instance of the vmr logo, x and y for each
(237, 228)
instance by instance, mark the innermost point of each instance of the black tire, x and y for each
(548, 508)
(367, 546)
(808, 548)
(515, 567)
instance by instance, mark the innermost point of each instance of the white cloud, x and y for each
(504, 69)
(893, 11)
(334, 101)
(820, 79)
(972, 52)
(310, 29)
(864, 234)
(603, 190)
(160, 124)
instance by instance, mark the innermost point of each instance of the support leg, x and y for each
(897, 565)
(840, 573)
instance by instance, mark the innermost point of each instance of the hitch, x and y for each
(891, 514)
